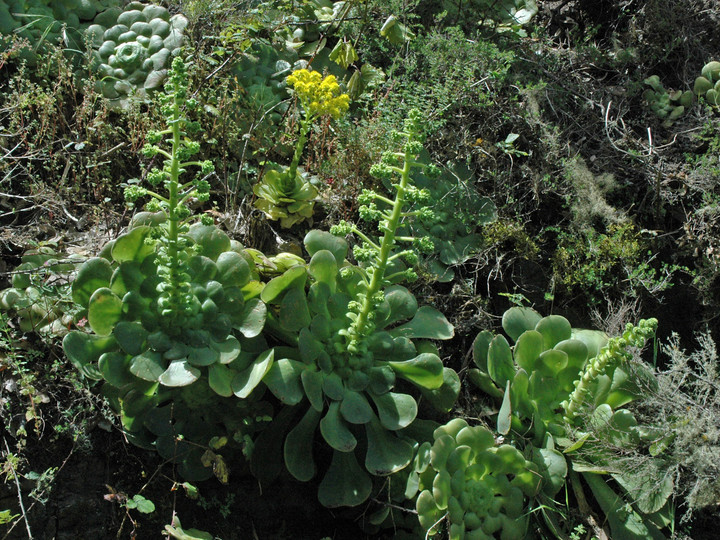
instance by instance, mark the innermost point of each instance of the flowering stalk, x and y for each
(284, 194)
(381, 255)
(611, 355)
(176, 299)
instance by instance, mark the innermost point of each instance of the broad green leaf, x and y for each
(343, 54)
(355, 408)
(345, 483)
(127, 277)
(324, 268)
(553, 361)
(425, 370)
(229, 349)
(403, 304)
(211, 240)
(202, 356)
(517, 320)
(481, 346)
(428, 323)
(483, 381)
(294, 312)
(500, 362)
(131, 246)
(441, 489)
(130, 336)
(293, 278)
(334, 430)
(84, 350)
(386, 452)
(115, 368)
(429, 514)
(298, 447)
(312, 385)
(505, 413)
(553, 468)
(444, 397)
(576, 350)
(333, 386)
(148, 366)
(246, 381)
(179, 373)
(233, 269)
(202, 269)
(253, 318)
(594, 340)
(396, 411)
(283, 380)
(317, 240)
(220, 379)
(176, 531)
(554, 329)
(143, 505)
(104, 311)
(528, 348)
(476, 437)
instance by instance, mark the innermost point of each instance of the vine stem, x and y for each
(19, 492)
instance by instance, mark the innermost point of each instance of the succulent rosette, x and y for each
(134, 47)
(480, 488)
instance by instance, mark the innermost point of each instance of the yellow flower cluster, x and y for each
(317, 95)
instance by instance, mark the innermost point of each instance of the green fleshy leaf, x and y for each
(104, 311)
(253, 318)
(334, 430)
(179, 373)
(283, 380)
(528, 348)
(517, 320)
(554, 329)
(127, 277)
(298, 447)
(202, 356)
(229, 349)
(386, 452)
(333, 386)
(312, 385)
(233, 269)
(220, 379)
(428, 512)
(444, 398)
(594, 340)
(345, 483)
(403, 305)
(425, 370)
(294, 312)
(576, 350)
(211, 240)
(130, 336)
(294, 277)
(84, 350)
(500, 362)
(484, 382)
(148, 366)
(553, 361)
(324, 268)
(131, 246)
(481, 345)
(505, 414)
(246, 381)
(318, 240)
(355, 408)
(115, 369)
(202, 269)
(553, 468)
(396, 411)
(428, 323)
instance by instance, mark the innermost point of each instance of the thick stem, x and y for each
(299, 147)
(386, 246)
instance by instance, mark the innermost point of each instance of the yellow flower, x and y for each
(319, 96)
